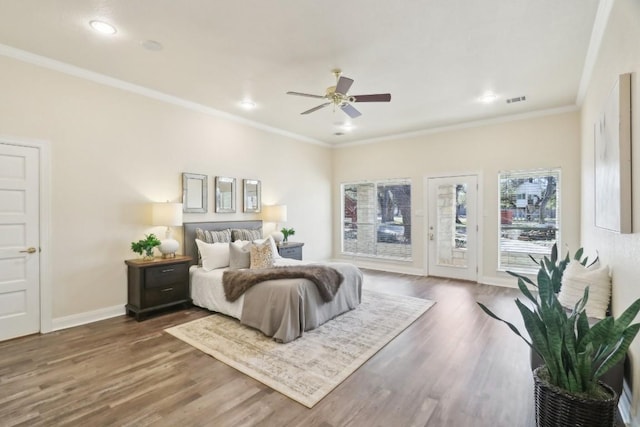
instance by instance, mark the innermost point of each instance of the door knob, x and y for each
(430, 236)
(30, 250)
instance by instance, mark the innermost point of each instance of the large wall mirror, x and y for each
(194, 193)
(251, 192)
(225, 194)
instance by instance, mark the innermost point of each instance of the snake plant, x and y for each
(554, 267)
(574, 353)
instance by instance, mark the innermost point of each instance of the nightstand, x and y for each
(157, 284)
(291, 250)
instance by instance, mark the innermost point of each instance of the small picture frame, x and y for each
(225, 194)
(252, 195)
(194, 193)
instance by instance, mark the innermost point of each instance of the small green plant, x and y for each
(145, 245)
(287, 232)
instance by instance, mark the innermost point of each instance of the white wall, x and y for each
(115, 151)
(619, 54)
(542, 142)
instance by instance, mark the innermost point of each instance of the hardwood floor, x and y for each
(453, 367)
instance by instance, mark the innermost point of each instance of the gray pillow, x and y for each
(208, 236)
(245, 234)
(239, 255)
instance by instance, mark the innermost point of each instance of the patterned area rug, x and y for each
(306, 369)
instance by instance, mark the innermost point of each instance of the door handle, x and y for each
(430, 236)
(30, 250)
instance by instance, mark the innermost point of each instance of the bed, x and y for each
(281, 308)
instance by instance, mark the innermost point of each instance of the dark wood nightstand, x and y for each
(156, 284)
(291, 250)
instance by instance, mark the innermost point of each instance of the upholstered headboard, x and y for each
(190, 248)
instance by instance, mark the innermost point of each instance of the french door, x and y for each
(452, 227)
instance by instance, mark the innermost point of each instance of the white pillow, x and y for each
(272, 243)
(214, 255)
(576, 277)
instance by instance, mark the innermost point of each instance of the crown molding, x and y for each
(72, 70)
(465, 125)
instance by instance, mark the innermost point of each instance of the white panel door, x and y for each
(19, 241)
(453, 227)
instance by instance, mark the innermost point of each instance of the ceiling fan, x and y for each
(339, 97)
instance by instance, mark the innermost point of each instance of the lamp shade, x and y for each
(274, 213)
(167, 214)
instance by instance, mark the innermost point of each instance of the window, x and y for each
(529, 217)
(376, 219)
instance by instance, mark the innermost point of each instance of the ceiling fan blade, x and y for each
(343, 85)
(379, 97)
(350, 110)
(308, 95)
(316, 108)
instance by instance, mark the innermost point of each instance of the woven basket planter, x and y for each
(557, 408)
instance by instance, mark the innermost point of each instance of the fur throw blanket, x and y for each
(326, 279)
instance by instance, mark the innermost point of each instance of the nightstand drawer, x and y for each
(166, 294)
(291, 250)
(295, 253)
(165, 275)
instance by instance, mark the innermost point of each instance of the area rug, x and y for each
(308, 368)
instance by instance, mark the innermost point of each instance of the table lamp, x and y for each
(168, 215)
(276, 214)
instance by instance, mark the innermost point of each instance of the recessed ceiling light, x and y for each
(103, 27)
(488, 98)
(248, 104)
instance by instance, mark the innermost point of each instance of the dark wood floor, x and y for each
(453, 367)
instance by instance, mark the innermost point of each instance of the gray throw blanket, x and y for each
(326, 279)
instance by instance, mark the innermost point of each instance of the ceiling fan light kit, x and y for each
(338, 96)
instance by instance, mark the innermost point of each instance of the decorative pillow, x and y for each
(239, 254)
(246, 234)
(274, 248)
(221, 236)
(261, 255)
(214, 255)
(576, 277)
(207, 236)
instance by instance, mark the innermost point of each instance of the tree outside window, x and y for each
(376, 219)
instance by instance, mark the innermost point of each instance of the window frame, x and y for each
(558, 241)
(376, 183)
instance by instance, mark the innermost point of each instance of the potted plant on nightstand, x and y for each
(286, 232)
(575, 355)
(145, 246)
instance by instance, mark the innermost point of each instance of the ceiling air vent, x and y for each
(516, 99)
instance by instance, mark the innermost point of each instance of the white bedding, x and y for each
(207, 290)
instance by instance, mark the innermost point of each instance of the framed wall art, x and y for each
(225, 194)
(612, 174)
(194, 193)
(252, 196)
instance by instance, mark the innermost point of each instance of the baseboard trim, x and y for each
(505, 282)
(624, 405)
(87, 317)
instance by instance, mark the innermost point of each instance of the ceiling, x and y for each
(436, 58)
